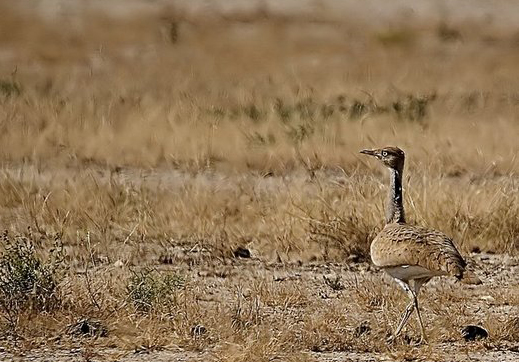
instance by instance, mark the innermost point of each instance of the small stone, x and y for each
(279, 278)
(354, 258)
(472, 333)
(203, 273)
(241, 252)
(119, 264)
(487, 298)
(246, 293)
(88, 328)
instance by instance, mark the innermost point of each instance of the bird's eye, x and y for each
(384, 154)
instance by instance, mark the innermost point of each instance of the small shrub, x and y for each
(306, 109)
(447, 33)
(358, 109)
(26, 281)
(283, 111)
(259, 140)
(413, 108)
(149, 290)
(10, 88)
(327, 110)
(299, 133)
(254, 113)
(219, 112)
(396, 37)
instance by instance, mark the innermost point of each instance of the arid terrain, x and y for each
(181, 181)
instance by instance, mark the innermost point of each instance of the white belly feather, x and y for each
(408, 272)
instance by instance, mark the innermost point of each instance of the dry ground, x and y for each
(141, 154)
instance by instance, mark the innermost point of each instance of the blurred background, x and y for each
(285, 83)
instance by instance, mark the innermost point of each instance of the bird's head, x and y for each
(392, 157)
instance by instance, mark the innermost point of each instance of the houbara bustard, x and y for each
(411, 254)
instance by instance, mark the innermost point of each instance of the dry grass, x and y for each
(160, 144)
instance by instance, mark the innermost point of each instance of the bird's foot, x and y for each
(421, 342)
(391, 339)
(407, 340)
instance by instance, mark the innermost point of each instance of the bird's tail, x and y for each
(469, 277)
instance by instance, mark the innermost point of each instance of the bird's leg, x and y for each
(417, 285)
(408, 310)
(405, 317)
(423, 339)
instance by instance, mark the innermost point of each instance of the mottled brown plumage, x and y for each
(411, 254)
(402, 244)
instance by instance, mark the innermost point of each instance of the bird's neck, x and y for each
(395, 204)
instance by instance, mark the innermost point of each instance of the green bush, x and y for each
(26, 281)
(149, 290)
(10, 88)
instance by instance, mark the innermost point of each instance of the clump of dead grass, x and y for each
(341, 235)
(510, 329)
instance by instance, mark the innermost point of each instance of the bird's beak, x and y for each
(369, 152)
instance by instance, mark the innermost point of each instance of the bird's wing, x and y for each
(402, 244)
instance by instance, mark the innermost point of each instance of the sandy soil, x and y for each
(499, 273)
(165, 356)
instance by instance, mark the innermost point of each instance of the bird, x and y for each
(411, 254)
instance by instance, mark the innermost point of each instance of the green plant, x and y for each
(448, 33)
(254, 113)
(10, 88)
(149, 290)
(358, 109)
(26, 281)
(283, 111)
(413, 108)
(396, 37)
(300, 132)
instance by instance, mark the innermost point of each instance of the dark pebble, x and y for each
(472, 333)
(241, 252)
